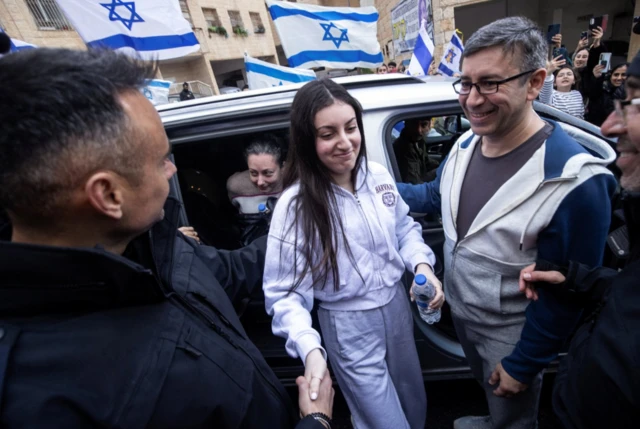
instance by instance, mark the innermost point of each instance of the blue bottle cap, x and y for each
(262, 207)
(420, 279)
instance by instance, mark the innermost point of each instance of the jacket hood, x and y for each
(564, 159)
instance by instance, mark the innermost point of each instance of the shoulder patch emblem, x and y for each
(389, 199)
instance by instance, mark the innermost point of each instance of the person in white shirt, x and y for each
(564, 96)
(341, 234)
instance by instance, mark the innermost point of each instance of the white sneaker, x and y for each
(473, 422)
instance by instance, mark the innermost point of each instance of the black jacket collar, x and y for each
(44, 279)
(631, 204)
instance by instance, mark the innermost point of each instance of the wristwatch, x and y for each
(322, 418)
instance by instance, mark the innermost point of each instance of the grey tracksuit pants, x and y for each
(484, 352)
(373, 356)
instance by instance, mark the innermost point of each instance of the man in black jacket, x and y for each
(598, 383)
(186, 94)
(108, 316)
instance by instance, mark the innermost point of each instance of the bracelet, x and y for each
(322, 418)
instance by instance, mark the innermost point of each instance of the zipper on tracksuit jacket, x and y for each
(454, 252)
(373, 240)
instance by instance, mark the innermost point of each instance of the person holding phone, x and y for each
(564, 97)
(604, 90)
(557, 49)
(585, 58)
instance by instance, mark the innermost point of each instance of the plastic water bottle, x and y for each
(424, 293)
(263, 209)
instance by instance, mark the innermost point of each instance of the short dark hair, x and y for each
(393, 63)
(5, 43)
(64, 123)
(185, 84)
(516, 35)
(269, 144)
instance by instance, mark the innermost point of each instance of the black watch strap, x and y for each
(321, 417)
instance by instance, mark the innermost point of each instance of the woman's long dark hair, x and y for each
(315, 208)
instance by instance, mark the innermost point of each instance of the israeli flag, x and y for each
(422, 54)
(261, 74)
(149, 29)
(157, 91)
(450, 63)
(336, 37)
(19, 45)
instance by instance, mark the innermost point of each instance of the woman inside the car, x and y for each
(262, 180)
(341, 235)
(255, 191)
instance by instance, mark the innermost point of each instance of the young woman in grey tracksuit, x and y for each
(341, 234)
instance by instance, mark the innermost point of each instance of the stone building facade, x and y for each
(469, 15)
(220, 61)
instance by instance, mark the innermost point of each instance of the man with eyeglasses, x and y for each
(513, 189)
(597, 383)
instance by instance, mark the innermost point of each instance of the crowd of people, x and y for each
(391, 67)
(576, 82)
(110, 317)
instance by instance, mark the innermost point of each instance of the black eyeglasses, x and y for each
(620, 107)
(485, 87)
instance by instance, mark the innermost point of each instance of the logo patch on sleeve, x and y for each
(389, 199)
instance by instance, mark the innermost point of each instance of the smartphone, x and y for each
(605, 60)
(599, 21)
(584, 35)
(552, 30)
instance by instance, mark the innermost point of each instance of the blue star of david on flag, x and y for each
(336, 40)
(115, 16)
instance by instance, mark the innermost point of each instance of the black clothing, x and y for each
(492, 173)
(601, 96)
(186, 95)
(586, 74)
(413, 160)
(598, 383)
(93, 339)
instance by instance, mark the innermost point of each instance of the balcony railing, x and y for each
(199, 89)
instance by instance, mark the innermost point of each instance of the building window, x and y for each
(236, 19)
(211, 17)
(256, 21)
(47, 15)
(185, 11)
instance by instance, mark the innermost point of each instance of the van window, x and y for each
(203, 170)
(420, 144)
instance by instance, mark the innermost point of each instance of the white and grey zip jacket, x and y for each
(384, 241)
(557, 207)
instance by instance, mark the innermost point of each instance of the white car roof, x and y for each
(373, 91)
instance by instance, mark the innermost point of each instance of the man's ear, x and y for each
(535, 83)
(105, 193)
